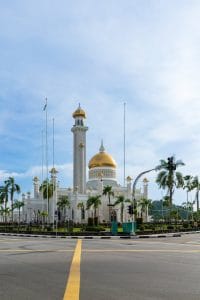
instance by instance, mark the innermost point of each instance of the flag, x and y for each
(45, 106)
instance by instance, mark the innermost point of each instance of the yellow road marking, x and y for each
(73, 285)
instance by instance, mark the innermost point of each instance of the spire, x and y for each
(79, 112)
(102, 149)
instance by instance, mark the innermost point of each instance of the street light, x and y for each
(133, 193)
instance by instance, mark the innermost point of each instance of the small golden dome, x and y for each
(53, 171)
(79, 113)
(102, 159)
(145, 180)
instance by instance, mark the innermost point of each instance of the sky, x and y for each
(100, 54)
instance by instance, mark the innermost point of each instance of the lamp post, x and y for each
(133, 194)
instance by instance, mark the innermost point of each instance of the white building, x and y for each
(102, 170)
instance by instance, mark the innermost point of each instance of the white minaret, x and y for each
(36, 184)
(145, 188)
(79, 151)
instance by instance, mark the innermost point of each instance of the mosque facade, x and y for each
(102, 172)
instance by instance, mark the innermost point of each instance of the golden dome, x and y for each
(53, 171)
(79, 113)
(102, 159)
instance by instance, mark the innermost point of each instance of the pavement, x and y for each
(101, 269)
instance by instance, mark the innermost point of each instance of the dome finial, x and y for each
(102, 149)
(79, 112)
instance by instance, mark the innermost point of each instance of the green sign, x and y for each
(114, 227)
(129, 227)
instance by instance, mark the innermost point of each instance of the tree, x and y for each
(4, 212)
(81, 206)
(121, 200)
(174, 214)
(4, 200)
(107, 191)
(188, 185)
(12, 188)
(63, 203)
(168, 178)
(47, 188)
(44, 215)
(196, 185)
(189, 207)
(95, 202)
(145, 203)
(18, 205)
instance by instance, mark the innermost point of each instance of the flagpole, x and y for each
(42, 168)
(47, 167)
(124, 143)
(53, 181)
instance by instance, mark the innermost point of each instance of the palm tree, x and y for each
(188, 185)
(12, 188)
(44, 215)
(196, 185)
(95, 202)
(145, 203)
(189, 207)
(18, 205)
(81, 206)
(63, 203)
(4, 199)
(107, 191)
(168, 178)
(47, 188)
(2, 213)
(121, 200)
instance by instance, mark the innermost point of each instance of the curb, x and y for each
(102, 237)
(94, 237)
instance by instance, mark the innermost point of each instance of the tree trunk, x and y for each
(147, 213)
(187, 207)
(197, 200)
(11, 196)
(109, 208)
(122, 211)
(19, 217)
(170, 196)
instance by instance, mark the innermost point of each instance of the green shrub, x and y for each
(94, 228)
(170, 227)
(185, 225)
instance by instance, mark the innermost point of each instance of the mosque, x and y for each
(102, 170)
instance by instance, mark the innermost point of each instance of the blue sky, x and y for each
(100, 53)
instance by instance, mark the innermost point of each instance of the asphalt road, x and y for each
(143, 269)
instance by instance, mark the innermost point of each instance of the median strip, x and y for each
(73, 285)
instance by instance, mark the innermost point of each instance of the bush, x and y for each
(185, 225)
(170, 227)
(94, 228)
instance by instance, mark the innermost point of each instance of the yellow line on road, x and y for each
(73, 284)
